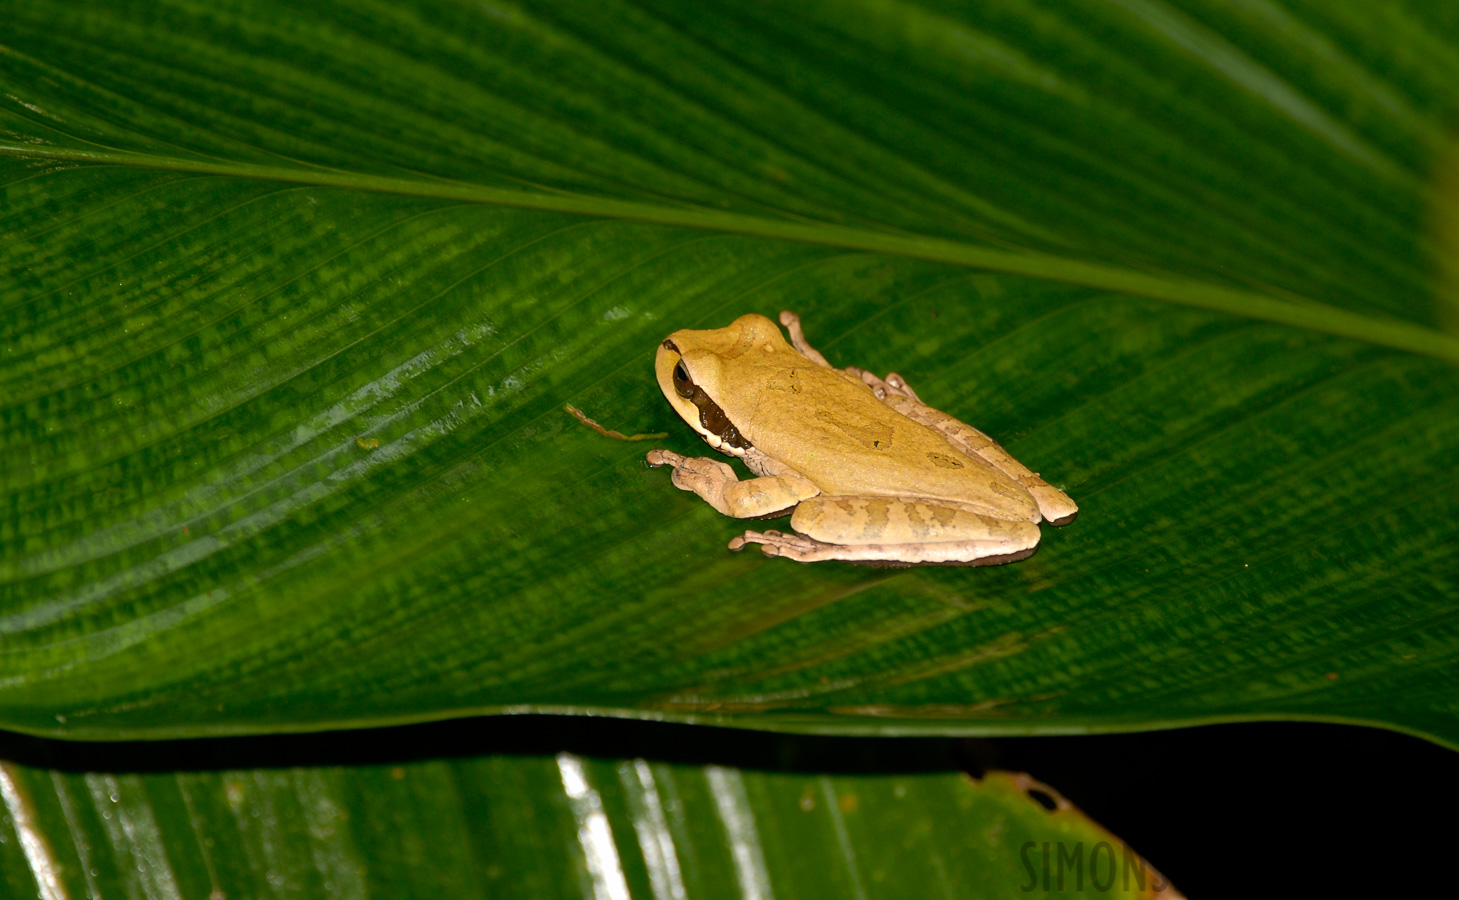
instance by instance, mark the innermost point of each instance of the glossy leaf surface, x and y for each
(292, 302)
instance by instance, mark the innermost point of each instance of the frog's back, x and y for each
(838, 434)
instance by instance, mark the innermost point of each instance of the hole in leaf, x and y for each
(1044, 799)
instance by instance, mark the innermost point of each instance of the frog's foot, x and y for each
(700, 474)
(791, 321)
(945, 553)
(776, 543)
(658, 458)
(893, 385)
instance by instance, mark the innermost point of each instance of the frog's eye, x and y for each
(682, 384)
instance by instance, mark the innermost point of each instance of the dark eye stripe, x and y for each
(711, 417)
(714, 421)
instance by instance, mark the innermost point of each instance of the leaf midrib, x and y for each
(1298, 312)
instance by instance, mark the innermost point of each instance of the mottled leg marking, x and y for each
(1054, 505)
(718, 485)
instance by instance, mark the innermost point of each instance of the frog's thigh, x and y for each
(890, 532)
(861, 521)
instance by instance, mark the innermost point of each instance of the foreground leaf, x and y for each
(293, 302)
(557, 825)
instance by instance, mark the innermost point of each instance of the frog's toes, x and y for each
(664, 458)
(899, 385)
(892, 385)
(775, 543)
(701, 474)
(878, 387)
(705, 467)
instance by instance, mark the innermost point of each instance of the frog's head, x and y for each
(697, 373)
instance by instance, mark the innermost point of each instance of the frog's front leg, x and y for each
(791, 321)
(1054, 505)
(896, 531)
(717, 484)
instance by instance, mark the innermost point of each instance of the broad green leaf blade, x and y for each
(548, 826)
(294, 300)
(196, 820)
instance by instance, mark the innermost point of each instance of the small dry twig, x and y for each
(616, 435)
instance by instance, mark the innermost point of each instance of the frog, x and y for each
(868, 472)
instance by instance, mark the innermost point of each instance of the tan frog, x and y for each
(873, 475)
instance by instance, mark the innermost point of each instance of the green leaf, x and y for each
(293, 301)
(554, 825)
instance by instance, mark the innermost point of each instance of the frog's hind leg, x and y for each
(947, 553)
(896, 532)
(1054, 505)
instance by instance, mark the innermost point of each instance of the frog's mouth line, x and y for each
(711, 418)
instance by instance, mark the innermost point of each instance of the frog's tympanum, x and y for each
(867, 471)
